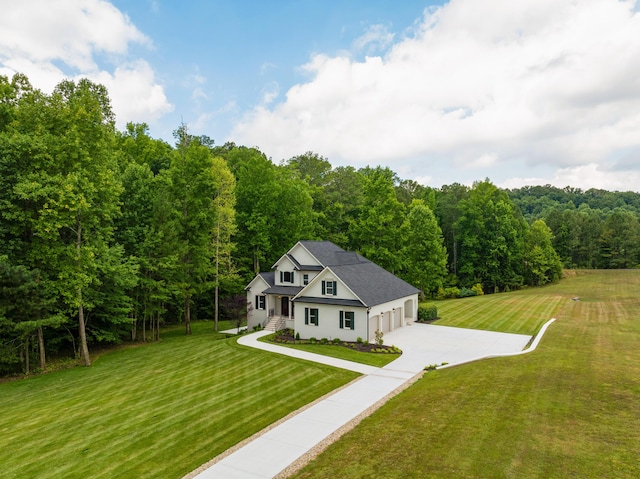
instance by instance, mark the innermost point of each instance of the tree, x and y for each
(379, 231)
(274, 208)
(340, 204)
(425, 255)
(199, 186)
(447, 211)
(542, 264)
(620, 240)
(63, 189)
(492, 233)
(136, 146)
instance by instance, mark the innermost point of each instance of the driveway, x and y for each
(426, 344)
(274, 451)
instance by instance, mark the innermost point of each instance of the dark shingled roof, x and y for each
(371, 283)
(269, 277)
(324, 251)
(283, 290)
(331, 300)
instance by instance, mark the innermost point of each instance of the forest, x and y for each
(107, 235)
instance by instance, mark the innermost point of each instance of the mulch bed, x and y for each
(286, 336)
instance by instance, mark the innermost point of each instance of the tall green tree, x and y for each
(620, 240)
(542, 264)
(447, 211)
(379, 231)
(492, 239)
(341, 203)
(425, 257)
(197, 182)
(63, 188)
(274, 209)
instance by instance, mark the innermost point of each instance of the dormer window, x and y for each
(329, 288)
(286, 277)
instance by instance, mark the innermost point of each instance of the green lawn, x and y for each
(521, 312)
(155, 411)
(568, 410)
(372, 359)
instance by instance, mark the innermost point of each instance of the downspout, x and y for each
(368, 310)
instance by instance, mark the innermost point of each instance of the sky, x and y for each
(527, 92)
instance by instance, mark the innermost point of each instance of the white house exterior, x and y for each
(320, 290)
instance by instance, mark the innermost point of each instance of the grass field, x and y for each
(155, 411)
(571, 409)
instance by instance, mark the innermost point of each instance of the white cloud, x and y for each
(376, 38)
(477, 85)
(270, 92)
(586, 176)
(49, 40)
(134, 93)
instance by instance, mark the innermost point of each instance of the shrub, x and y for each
(379, 337)
(324, 341)
(297, 336)
(359, 340)
(466, 293)
(427, 312)
(448, 293)
(478, 289)
(312, 340)
(336, 341)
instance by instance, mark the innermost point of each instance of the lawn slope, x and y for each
(159, 410)
(568, 410)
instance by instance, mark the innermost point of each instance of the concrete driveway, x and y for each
(426, 344)
(274, 451)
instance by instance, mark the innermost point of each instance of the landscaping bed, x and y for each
(287, 336)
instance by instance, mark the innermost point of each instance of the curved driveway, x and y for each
(422, 345)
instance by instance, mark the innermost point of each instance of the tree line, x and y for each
(105, 235)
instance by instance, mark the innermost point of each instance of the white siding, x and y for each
(285, 264)
(302, 256)
(329, 322)
(392, 315)
(256, 316)
(315, 289)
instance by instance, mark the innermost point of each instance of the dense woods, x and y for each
(106, 234)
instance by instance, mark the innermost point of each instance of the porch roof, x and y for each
(354, 303)
(283, 290)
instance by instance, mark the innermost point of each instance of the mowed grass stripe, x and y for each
(569, 409)
(159, 410)
(521, 312)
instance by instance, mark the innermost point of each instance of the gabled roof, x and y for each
(329, 254)
(371, 283)
(269, 278)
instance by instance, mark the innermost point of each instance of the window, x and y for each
(261, 302)
(311, 316)
(347, 320)
(329, 288)
(286, 276)
(305, 279)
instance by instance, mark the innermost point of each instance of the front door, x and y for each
(284, 306)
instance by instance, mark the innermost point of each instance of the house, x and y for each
(320, 290)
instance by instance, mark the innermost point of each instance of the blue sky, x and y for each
(219, 58)
(526, 92)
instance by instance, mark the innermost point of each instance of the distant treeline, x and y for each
(105, 235)
(591, 229)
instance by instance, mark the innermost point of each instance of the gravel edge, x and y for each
(315, 451)
(246, 441)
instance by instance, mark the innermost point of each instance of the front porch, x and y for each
(282, 315)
